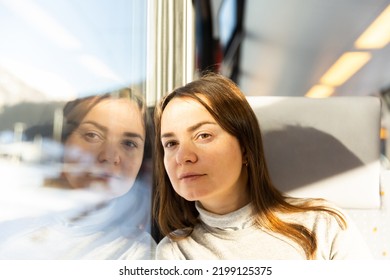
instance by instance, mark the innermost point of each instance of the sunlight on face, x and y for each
(105, 151)
(203, 161)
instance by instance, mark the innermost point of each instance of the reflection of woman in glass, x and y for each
(104, 141)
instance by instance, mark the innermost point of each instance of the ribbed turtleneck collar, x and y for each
(237, 220)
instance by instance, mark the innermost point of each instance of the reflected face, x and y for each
(203, 162)
(107, 147)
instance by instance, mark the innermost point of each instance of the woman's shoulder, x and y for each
(319, 205)
(170, 240)
(166, 249)
(316, 202)
(316, 211)
(337, 235)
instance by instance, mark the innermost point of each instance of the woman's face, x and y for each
(106, 149)
(204, 162)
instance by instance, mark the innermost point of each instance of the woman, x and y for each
(105, 159)
(214, 196)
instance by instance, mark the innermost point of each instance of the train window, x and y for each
(72, 124)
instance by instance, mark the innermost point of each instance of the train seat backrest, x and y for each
(327, 148)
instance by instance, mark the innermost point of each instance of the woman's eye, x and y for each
(169, 144)
(92, 136)
(130, 144)
(204, 136)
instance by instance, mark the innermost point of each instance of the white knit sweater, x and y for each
(234, 236)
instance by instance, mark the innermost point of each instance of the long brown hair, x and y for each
(230, 108)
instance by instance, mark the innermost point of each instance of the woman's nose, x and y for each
(186, 154)
(109, 154)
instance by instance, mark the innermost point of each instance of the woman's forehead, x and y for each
(117, 112)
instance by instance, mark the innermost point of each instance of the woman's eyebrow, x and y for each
(196, 126)
(98, 125)
(167, 135)
(133, 135)
(190, 129)
(105, 129)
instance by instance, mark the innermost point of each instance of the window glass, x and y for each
(71, 72)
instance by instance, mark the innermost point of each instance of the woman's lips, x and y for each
(103, 176)
(190, 176)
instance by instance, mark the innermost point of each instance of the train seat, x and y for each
(330, 148)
